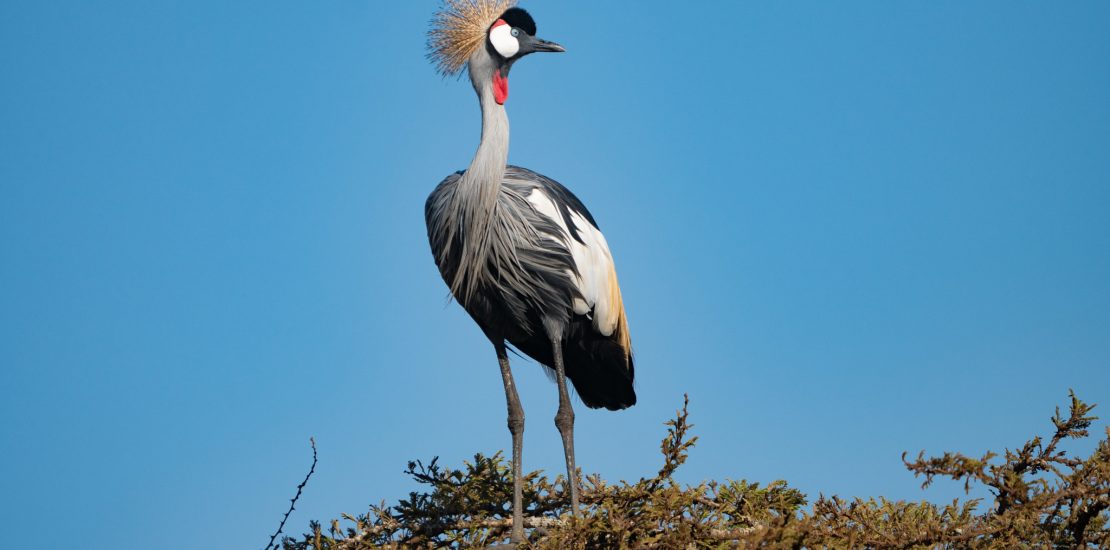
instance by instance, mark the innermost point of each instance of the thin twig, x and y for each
(293, 501)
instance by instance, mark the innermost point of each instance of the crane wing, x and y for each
(594, 272)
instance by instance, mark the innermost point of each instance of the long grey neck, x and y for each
(478, 188)
(486, 170)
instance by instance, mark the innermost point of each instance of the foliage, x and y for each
(1042, 499)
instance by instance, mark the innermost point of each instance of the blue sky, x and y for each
(846, 230)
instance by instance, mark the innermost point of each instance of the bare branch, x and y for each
(293, 501)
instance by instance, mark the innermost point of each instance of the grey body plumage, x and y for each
(517, 284)
(513, 273)
(519, 251)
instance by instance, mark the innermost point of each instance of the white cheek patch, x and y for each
(503, 40)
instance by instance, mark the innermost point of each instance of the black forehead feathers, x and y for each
(520, 19)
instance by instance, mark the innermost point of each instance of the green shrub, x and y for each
(1042, 499)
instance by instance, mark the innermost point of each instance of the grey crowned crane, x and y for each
(519, 251)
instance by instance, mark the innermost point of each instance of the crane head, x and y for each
(486, 36)
(511, 37)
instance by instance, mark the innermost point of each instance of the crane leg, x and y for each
(564, 420)
(516, 428)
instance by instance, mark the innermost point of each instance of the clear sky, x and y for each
(846, 229)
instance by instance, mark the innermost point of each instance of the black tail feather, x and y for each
(598, 367)
(601, 373)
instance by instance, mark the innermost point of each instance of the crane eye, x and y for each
(516, 32)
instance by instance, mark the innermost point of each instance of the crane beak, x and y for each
(540, 45)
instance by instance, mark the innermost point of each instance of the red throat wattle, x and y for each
(500, 87)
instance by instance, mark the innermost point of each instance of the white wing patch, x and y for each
(597, 277)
